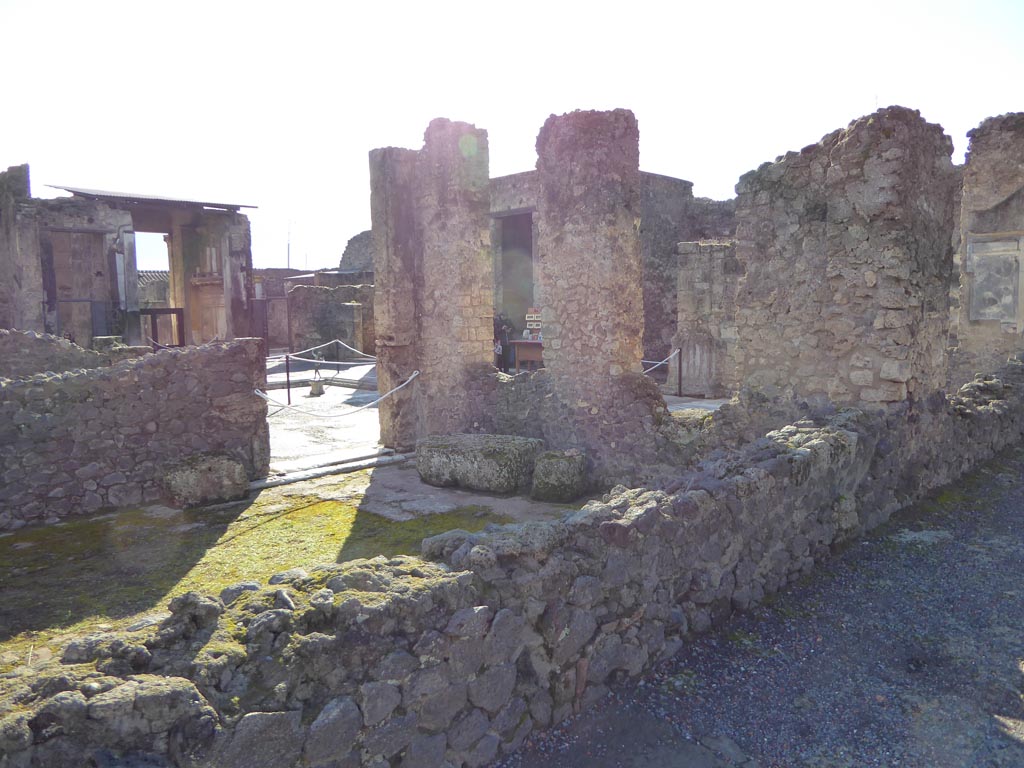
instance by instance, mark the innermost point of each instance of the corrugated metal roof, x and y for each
(129, 197)
(147, 276)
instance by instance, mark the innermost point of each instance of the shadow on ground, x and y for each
(108, 570)
(111, 566)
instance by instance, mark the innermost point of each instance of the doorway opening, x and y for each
(162, 324)
(514, 270)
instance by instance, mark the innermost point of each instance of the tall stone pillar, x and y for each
(589, 287)
(395, 263)
(588, 273)
(434, 277)
(457, 290)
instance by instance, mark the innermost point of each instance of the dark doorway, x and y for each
(516, 268)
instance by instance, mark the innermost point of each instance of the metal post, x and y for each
(288, 377)
(679, 372)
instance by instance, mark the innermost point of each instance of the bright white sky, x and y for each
(277, 104)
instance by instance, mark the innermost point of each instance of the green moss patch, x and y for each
(86, 574)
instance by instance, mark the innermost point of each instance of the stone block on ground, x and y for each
(559, 476)
(206, 479)
(494, 463)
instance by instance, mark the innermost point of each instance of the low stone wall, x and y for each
(457, 657)
(79, 441)
(24, 353)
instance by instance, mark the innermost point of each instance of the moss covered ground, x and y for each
(107, 571)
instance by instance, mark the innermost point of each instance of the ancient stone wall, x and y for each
(989, 323)
(14, 187)
(70, 272)
(457, 657)
(24, 353)
(318, 315)
(358, 254)
(664, 202)
(79, 441)
(708, 219)
(434, 281)
(705, 336)
(238, 278)
(846, 248)
(668, 214)
(517, 192)
(362, 295)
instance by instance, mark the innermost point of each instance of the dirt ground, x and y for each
(906, 649)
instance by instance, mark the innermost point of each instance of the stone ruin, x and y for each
(988, 316)
(827, 280)
(846, 250)
(82, 431)
(829, 314)
(69, 265)
(435, 283)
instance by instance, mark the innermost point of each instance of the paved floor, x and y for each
(321, 430)
(685, 403)
(355, 374)
(327, 429)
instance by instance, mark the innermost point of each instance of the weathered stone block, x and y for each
(264, 740)
(378, 701)
(334, 731)
(492, 690)
(559, 476)
(391, 737)
(206, 479)
(425, 752)
(494, 463)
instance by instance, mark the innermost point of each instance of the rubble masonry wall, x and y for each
(668, 214)
(24, 353)
(79, 441)
(318, 315)
(15, 311)
(458, 657)
(664, 203)
(846, 248)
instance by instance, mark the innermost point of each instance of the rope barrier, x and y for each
(320, 346)
(676, 352)
(353, 349)
(264, 396)
(155, 343)
(331, 362)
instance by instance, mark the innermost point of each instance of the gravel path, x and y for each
(907, 649)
